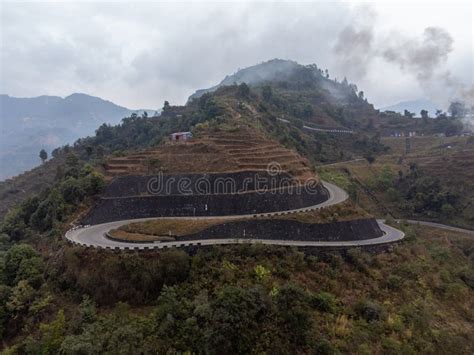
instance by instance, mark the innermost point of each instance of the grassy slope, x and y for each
(452, 166)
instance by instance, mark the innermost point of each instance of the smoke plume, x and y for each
(422, 57)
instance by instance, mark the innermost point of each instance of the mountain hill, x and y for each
(256, 74)
(277, 109)
(414, 106)
(46, 122)
(303, 92)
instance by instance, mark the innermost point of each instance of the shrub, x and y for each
(14, 258)
(324, 302)
(394, 282)
(324, 347)
(261, 272)
(294, 316)
(369, 310)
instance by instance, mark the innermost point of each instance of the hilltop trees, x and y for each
(244, 91)
(43, 155)
(424, 114)
(267, 92)
(408, 114)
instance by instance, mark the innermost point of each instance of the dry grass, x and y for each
(137, 237)
(342, 212)
(170, 227)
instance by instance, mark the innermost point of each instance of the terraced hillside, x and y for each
(222, 151)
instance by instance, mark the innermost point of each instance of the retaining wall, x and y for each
(122, 208)
(359, 229)
(192, 184)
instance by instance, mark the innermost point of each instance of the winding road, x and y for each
(438, 225)
(95, 236)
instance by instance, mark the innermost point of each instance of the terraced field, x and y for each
(220, 152)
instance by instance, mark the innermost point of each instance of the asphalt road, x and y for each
(326, 130)
(95, 236)
(439, 225)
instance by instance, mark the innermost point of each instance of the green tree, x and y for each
(370, 158)
(87, 310)
(31, 270)
(53, 334)
(261, 272)
(89, 150)
(14, 257)
(244, 91)
(267, 93)
(235, 322)
(21, 297)
(447, 209)
(15, 224)
(94, 183)
(393, 194)
(308, 111)
(408, 114)
(4, 313)
(352, 191)
(43, 155)
(72, 165)
(385, 179)
(424, 114)
(369, 310)
(324, 302)
(71, 190)
(294, 314)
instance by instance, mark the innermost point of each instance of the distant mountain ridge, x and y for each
(414, 106)
(28, 125)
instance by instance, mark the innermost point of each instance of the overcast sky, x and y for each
(137, 55)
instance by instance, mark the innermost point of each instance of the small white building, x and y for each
(181, 136)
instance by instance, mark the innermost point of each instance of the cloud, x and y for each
(140, 54)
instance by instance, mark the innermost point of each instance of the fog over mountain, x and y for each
(28, 125)
(276, 69)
